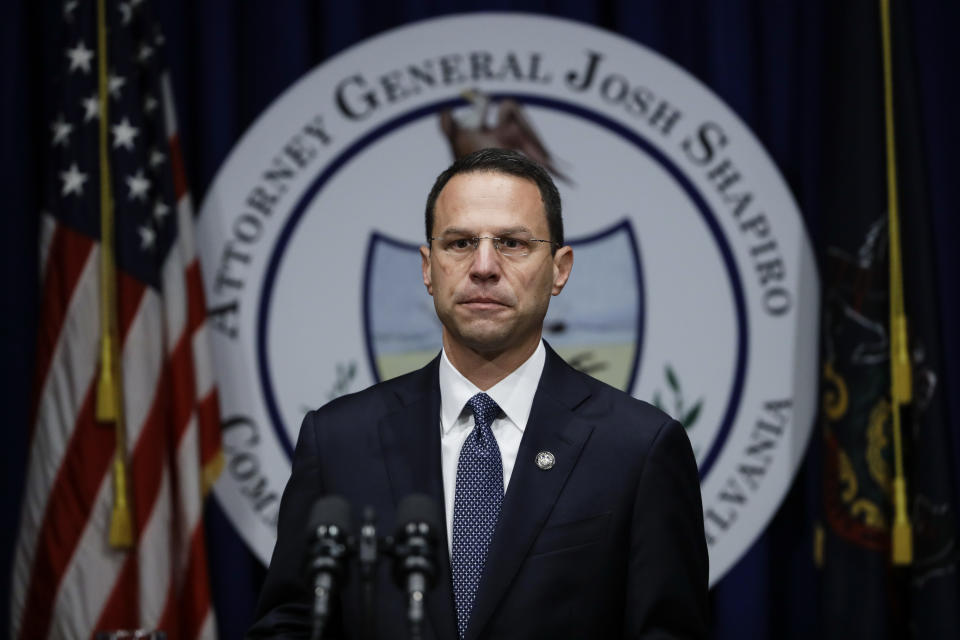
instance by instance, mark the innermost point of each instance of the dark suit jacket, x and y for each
(609, 543)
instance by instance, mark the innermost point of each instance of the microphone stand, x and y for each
(414, 553)
(329, 547)
(412, 549)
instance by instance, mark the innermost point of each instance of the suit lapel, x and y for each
(410, 441)
(532, 492)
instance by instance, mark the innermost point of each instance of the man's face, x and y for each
(488, 302)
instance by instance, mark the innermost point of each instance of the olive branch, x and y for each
(345, 375)
(346, 372)
(687, 417)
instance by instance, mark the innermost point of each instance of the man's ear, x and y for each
(562, 266)
(425, 266)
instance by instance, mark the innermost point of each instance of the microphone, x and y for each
(415, 550)
(330, 527)
(367, 553)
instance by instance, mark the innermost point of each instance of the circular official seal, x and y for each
(545, 460)
(694, 286)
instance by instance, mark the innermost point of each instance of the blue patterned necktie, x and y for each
(476, 507)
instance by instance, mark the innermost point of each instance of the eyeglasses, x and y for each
(512, 247)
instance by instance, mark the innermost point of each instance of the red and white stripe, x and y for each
(68, 582)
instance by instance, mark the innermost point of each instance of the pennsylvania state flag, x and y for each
(864, 594)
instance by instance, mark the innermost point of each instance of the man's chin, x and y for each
(485, 339)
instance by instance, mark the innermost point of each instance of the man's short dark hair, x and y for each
(510, 163)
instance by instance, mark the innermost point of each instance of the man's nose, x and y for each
(486, 261)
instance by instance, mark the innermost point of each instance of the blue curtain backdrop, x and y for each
(767, 60)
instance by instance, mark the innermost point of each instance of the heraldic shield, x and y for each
(595, 324)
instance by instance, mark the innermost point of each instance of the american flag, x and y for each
(69, 581)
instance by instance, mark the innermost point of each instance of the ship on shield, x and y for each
(595, 324)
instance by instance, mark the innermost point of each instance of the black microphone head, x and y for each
(330, 527)
(331, 511)
(418, 509)
(328, 537)
(415, 550)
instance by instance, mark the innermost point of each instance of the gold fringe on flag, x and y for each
(900, 375)
(109, 384)
(819, 542)
(211, 471)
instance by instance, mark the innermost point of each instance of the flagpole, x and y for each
(900, 375)
(109, 384)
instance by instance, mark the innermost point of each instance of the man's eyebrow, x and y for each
(511, 230)
(451, 231)
(458, 231)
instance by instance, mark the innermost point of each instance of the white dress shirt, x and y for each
(514, 395)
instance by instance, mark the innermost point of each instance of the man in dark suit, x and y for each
(572, 510)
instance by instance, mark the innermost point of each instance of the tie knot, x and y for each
(484, 409)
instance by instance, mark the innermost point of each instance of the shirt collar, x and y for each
(514, 394)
